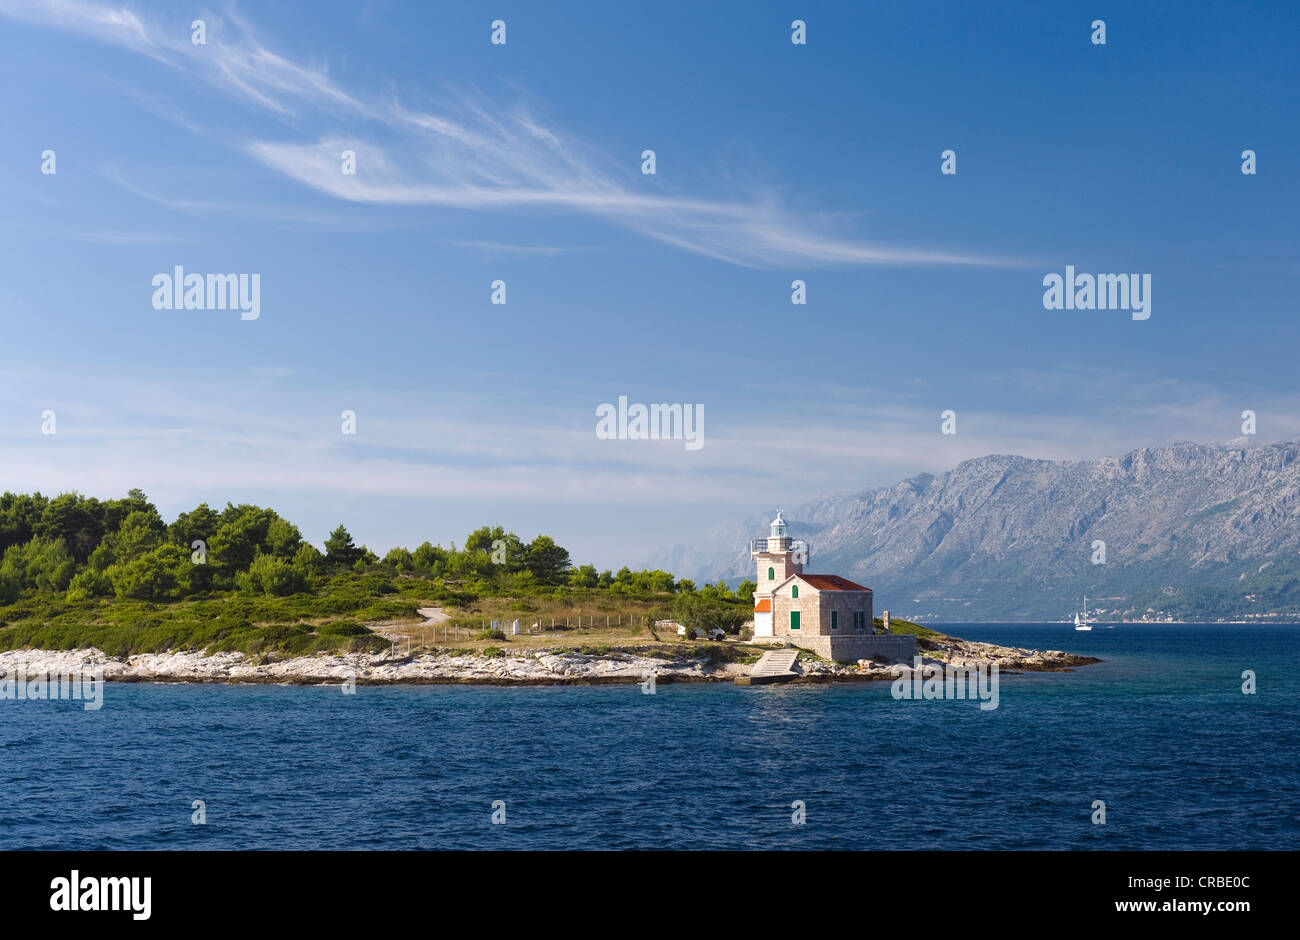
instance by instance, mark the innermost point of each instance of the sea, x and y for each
(1156, 747)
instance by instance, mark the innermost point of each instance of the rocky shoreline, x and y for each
(531, 667)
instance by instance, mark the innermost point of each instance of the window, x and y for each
(794, 620)
(771, 574)
(859, 620)
(794, 590)
(835, 619)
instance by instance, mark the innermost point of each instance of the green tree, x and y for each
(74, 519)
(199, 524)
(269, 574)
(113, 512)
(696, 611)
(49, 565)
(503, 548)
(11, 586)
(308, 558)
(282, 538)
(429, 559)
(340, 549)
(41, 564)
(547, 561)
(399, 559)
(20, 514)
(89, 584)
(239, 537)
(661, 582)
(140, 532)
(161, 575)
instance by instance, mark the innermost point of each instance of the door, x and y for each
(794, 620)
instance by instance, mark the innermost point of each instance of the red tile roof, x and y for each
(764, 606)
(832, 582)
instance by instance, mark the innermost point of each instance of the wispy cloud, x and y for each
(111, 237)
(201, 433)
(498, 248)
(476, 155)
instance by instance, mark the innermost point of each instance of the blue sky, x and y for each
(522, 163)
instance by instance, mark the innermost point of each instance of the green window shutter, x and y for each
(794, 620)
(794, 590)
(771, 574)
(835, 619)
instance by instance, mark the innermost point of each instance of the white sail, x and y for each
(1081, 621)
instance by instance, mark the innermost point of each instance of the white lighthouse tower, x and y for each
(777, 557)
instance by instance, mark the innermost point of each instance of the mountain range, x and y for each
(1190, 531)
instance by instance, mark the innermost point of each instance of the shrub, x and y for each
(160, 575)
(89, 584)
(343, 628)
(308, 558)
(271, 575)
(367, 644)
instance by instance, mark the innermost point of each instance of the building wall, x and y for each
(807, 605)
(846, 603)
(892, 648)
(815, 611)
(784, 564)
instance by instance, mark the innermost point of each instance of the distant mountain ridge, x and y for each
(1191, 531)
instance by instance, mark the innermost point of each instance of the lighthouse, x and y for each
(824, 613)
(777, 557)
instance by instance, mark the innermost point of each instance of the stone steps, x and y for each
(774, 666)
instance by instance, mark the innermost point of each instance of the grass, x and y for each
(907, 628)
(345, 612)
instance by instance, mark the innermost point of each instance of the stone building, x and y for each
(830, 615)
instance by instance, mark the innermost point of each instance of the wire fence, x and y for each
(449, 632)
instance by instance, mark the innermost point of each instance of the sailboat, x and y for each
(1081, 621)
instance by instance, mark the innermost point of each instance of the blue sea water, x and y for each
(1161, 731)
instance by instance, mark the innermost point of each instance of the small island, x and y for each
(237, 595)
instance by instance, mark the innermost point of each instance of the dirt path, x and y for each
(400, 633)
(433, 616)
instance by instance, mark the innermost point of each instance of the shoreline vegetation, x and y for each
(238, 595)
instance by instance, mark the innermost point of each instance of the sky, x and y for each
(522, 162)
